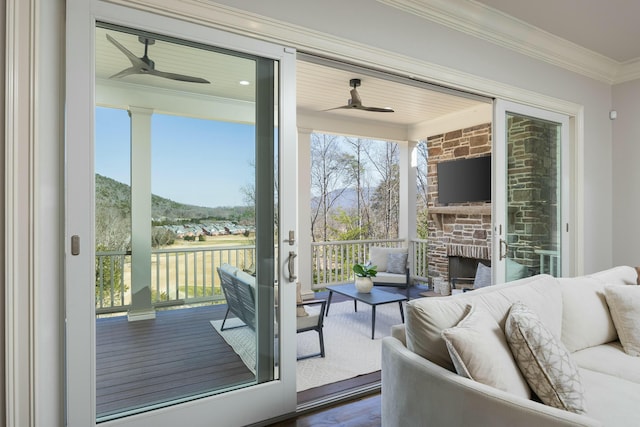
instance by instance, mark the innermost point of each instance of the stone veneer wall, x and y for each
(444, 229)
(533, 189)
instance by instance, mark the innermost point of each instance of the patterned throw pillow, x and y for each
(479, 351)
(397, 263)
(544, 361)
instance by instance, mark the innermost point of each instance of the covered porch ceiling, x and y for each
(420, 110)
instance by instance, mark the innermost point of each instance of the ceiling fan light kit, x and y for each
(355, 102)
(144, 64)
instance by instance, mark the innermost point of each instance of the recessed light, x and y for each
(244, 82)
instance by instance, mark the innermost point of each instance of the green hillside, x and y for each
(111, 194)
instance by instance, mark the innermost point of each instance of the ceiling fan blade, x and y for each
(125, 72)
(135, 61)
(179, 77)
(146, 66)
(377, 109)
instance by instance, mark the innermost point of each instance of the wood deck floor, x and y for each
(175, 355)
(148, 362)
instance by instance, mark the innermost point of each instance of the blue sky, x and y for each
(194, 161)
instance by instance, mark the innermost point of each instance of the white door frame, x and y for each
(269, 399)
(499, 173)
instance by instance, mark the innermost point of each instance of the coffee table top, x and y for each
(376, 296)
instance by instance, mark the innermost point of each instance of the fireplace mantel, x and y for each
(437, 212)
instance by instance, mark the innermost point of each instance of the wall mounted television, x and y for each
(464, 180)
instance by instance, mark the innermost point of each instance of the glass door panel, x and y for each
(182, 214)
(530, 182)
(178, 250)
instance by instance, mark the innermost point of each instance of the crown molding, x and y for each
(484, 22)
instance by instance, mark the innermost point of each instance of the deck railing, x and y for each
(188, 275)
(178, 276)
(331, 262)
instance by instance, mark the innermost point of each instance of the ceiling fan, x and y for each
(356, 103)
(145, 65)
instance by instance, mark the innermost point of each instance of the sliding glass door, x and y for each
(531, 188)
(180, 154)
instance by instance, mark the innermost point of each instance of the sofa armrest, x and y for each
(417, 392)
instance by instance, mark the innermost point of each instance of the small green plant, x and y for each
(365, 270)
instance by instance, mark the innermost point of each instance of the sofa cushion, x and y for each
(544, 361)
(581, 295)
(609, 359)
(624, 304)
(479, 351)
(378, 255)
(397, 263)
(427, 317)
(611, 400)
(621, 275)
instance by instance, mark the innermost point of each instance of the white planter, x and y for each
(364, 284)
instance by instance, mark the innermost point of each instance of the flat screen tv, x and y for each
(464, 180)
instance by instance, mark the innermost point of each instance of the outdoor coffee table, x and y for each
(375, 298)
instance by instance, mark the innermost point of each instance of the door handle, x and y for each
(292, 266)
(503, 244)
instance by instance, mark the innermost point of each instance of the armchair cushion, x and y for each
(378, 256)
(300, 310)
(397, 262)
(483, 276)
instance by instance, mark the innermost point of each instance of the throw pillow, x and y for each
(479, 351)
(397, 263)
(624, 305)
(300, 310)
(544, 361)
(483, 276)
(515, 270)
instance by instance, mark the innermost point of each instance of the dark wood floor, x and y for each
(363, 412)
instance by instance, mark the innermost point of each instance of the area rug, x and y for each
(349, 349)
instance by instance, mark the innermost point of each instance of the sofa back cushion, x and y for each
(378, 255)
(621, 275)
(427, 317)
(586, 321)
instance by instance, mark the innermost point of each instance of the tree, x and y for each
(328, 175)
(386, 203)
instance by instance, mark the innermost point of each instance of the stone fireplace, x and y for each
(459, 235)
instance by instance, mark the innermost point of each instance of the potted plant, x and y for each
(364, 273)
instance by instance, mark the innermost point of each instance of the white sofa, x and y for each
(420, 386)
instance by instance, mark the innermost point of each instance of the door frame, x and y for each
(499, 173)
(268, 400)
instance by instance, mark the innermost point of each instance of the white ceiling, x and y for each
(609, 27)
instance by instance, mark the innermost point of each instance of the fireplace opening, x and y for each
(461, 267)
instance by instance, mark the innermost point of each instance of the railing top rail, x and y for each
(172, 250)
(203, 248)
(353, 242)
(419, 240)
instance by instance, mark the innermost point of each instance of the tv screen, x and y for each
(464, 180)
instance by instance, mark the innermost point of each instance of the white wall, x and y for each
(376, 25)
(626, 174)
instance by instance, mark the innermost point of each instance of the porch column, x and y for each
(305, 268)
(407, 215)
(141, 306)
